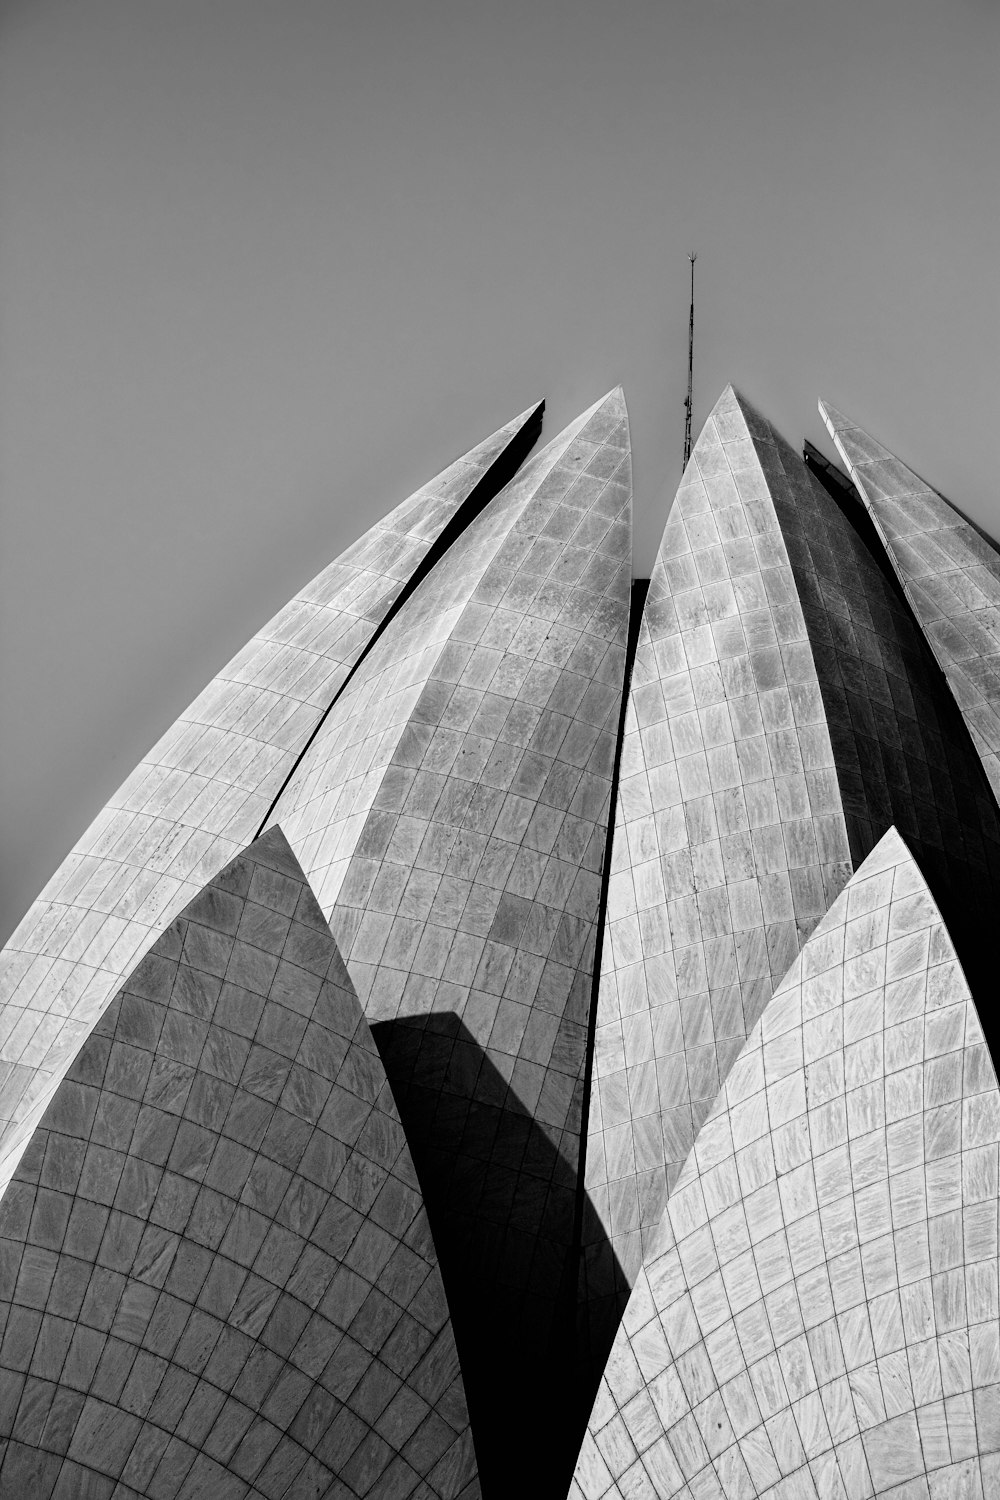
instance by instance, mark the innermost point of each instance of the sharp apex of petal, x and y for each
(536, 409)
(594, 424)
(894, 841)
(614, 398)
(729, 399)
(834, 419)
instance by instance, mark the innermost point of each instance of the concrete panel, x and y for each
(217, 1273)
(203, 791)
(951, 574)
(452, 818)
(784, 711)
(818, 1317)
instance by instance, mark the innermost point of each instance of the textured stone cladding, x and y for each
(951, 574)
(730, 840)
(217, 1274)
(784, 711)
(452, 818)
(203, 791)
(818, 1318)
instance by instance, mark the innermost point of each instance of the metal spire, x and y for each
(688, 402)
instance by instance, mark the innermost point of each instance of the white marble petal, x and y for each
(820, 1316)
(200, 795)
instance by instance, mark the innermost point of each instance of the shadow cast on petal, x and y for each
(502, 1201)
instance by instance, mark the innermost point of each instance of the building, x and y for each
(517, 1032)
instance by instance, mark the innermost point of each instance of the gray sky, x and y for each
(267, 265)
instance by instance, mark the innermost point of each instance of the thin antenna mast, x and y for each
(689, 402)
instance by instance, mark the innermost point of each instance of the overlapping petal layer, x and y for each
(203, 791)
(819, 1316)
(217, 1271)
(784, 711)
(452, 817)
(951, 574)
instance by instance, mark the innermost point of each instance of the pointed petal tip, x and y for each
(509, 433)
(894, 840)
(273, 836)
(616, 397)
(729, 399)
(609, 408)
(531, 413)
(834, 419)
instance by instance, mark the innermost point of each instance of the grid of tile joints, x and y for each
(452, 818)
(217, 1272)
(730, 840)
(819, 1316)
(901, 755)
(451, 815)
(902, 751)
(951, 574)
(198, 797)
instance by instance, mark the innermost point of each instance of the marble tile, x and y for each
(784, 710)
(879, 1398)
(203, 791)
(950, 571)
(221, 1280)
(452, 816)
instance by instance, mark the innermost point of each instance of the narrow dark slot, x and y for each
(851, 506)
(965, 891)
(589, 1344)
(822, 466)
(640, 588)
(497, 476)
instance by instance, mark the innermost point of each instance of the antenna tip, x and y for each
(692, 258)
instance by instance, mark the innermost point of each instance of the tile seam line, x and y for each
(793, 1282)
(908, 596)
(876, 520)
(257, 1339)
(639, 591)
(858, 480)
(925, 484)
(500, 473)
(787, 563)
